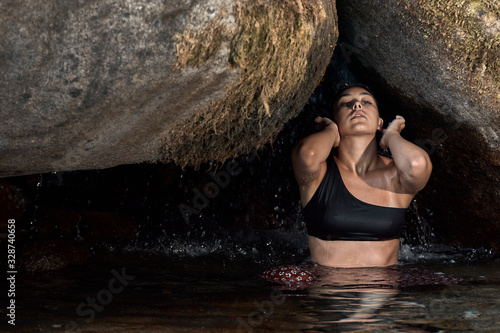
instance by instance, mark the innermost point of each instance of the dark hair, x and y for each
(346, 86)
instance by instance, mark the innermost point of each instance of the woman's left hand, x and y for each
(397, 126)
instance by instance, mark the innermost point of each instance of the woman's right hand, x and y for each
(322, 123)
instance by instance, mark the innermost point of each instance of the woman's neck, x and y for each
(358, 154)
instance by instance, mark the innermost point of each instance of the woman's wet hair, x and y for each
(346, 86)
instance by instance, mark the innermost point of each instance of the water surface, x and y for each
(134, 291)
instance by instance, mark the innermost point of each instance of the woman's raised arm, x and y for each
(313, 150)
(412, 162)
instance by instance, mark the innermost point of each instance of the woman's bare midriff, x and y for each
(336, 253)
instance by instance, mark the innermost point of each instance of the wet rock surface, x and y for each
(88, 85)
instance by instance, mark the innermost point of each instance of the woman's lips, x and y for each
(358, 114)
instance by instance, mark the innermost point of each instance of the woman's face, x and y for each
(356, 112)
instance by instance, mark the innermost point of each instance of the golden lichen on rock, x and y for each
(195, 46)
(271, 44)
(470, 30)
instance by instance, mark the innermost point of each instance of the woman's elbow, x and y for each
(305, 154)
(419, 174)
(421, 166)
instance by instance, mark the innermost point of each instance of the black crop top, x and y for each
(333, 213)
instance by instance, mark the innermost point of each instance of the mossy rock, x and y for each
(88, 85)
(281, 49)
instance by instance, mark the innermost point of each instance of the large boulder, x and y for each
(94, 84)
(441, 61)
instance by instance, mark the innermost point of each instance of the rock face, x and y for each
(443, 59)
(94, 84)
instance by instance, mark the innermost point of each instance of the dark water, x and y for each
(216, 290)
(173, 276)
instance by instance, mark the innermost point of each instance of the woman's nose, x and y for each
(357, 105)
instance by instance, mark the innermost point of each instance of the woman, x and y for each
(354, 199)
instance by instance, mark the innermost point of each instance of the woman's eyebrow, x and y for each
(361, 94)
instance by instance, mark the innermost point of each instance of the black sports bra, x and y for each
(333, 213)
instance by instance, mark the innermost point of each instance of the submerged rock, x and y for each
(92, 85)
(442, 58)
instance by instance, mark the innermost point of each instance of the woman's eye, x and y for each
(367, 102)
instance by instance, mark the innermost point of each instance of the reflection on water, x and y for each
(213, 294)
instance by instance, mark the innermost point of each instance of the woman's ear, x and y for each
(380, 124)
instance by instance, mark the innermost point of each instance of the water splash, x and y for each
(418, 230)
(444, 254)
(264, 247)
(33, 224)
